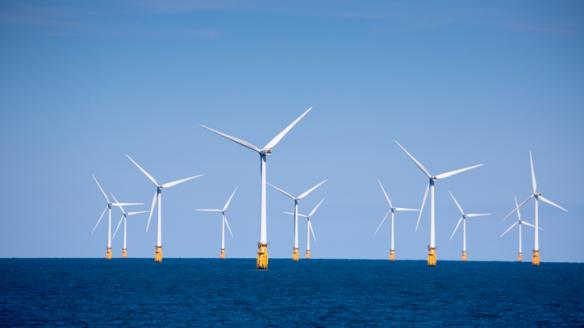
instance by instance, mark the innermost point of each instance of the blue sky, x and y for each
(457, 83)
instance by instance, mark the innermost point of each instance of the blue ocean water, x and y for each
(209, 292)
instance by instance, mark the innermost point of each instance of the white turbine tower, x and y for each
(393, 210)
(432, 187)
(463, 217)
(124, 218)
(262, 255)
(224, 221)
(108, 208)
(296, 199)
(157, 199)
(309, 229)
(520, 222)
(537, 196)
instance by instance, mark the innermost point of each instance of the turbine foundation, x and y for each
(392, 255)
(535, 258)
(308, 255)
(262, 259)
(431, 256)
(108, 253)
(158, 254)
(520, 257)
(124, 253)
(464, 256)
(222, 254)
(295, 255)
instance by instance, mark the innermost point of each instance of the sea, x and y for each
(310, 293)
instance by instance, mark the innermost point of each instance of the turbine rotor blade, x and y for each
(311, 214)
(422, 207)
(457, 204)
(533, 180)
(213, 210)
(241, 142)
(381, 223)
(228, 227)
(99, 220)
(477, 215)
(509, 229)
(230, 198)
(418, 164)
(518, 207)
(309, 191)
(549, 202)
(300, 215)
(101, 189)
(121, 207)
(455, 172)
(136, 213)
(177, 182)
(385, 194)
(154, 200)
(118, 227)
(404, 209)
(150, 177)
(456, 228)
(282, 134)
(527, 224)
(282, 191)
(311, 230)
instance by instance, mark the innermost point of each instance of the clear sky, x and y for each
(457, 83)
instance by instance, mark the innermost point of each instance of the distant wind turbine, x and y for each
(124, 219)
(520, 222)
(309, 229)
(463, 217)
(224, 221)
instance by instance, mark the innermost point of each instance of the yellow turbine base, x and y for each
(158, 254)
(222, 255)
(108, 253)
(392, 255)
(535, 258)
(262, 259)
(431, 256)
(520, 257)
(308, 255)
(464, 256)
(124, 253)
(295, 255)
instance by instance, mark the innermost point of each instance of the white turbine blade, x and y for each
(281, 135)
(214, 210)
(118, 227)
(126, 204)
(230, 198)
(527, 224)
(405, 209)
(228, 227)
(381, 223)
(457, 204)
(282, 191)
(99, 220)
(151, 178)
(385, 194)
(121, 207)
(455, 172)
(311, 214)
(477, 215)
(234, 139)
(311, 230)
(309, 191)
(456, 228)
(136, 213)
(518, 207)
(509, 229)
(422, 207)
(177, 182)
(154, 200)
(547, 201)
(299, 214)
(533, 180)
(101, 189)
(418, 164)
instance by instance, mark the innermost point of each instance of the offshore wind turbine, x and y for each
(262, 255)
(463, 217)
(296, 199)
(224, 221)
(519, 223)
(157, 199)
(393, 210)
(108, 208)
(536, 195)
(124, 219)
(309, 229)
(432, 188)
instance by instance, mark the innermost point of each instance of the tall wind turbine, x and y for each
(224, 221)
(262, 255)
(296, 199)
(432, 187)
(108, 208)
(157, 199)
(393, 210)
(309, 229)
(124, 219)
(520, 222)
(537, 196)
(463, 217)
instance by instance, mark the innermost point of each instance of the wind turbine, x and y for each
(124, 218)
(108, 208)
(463, 217)
(432, 187)
(393, 210)
(224, 222)
(157, 199)
(537, 196)
(309, 229)
(518, 223)
(296, 199)
(262, 255)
